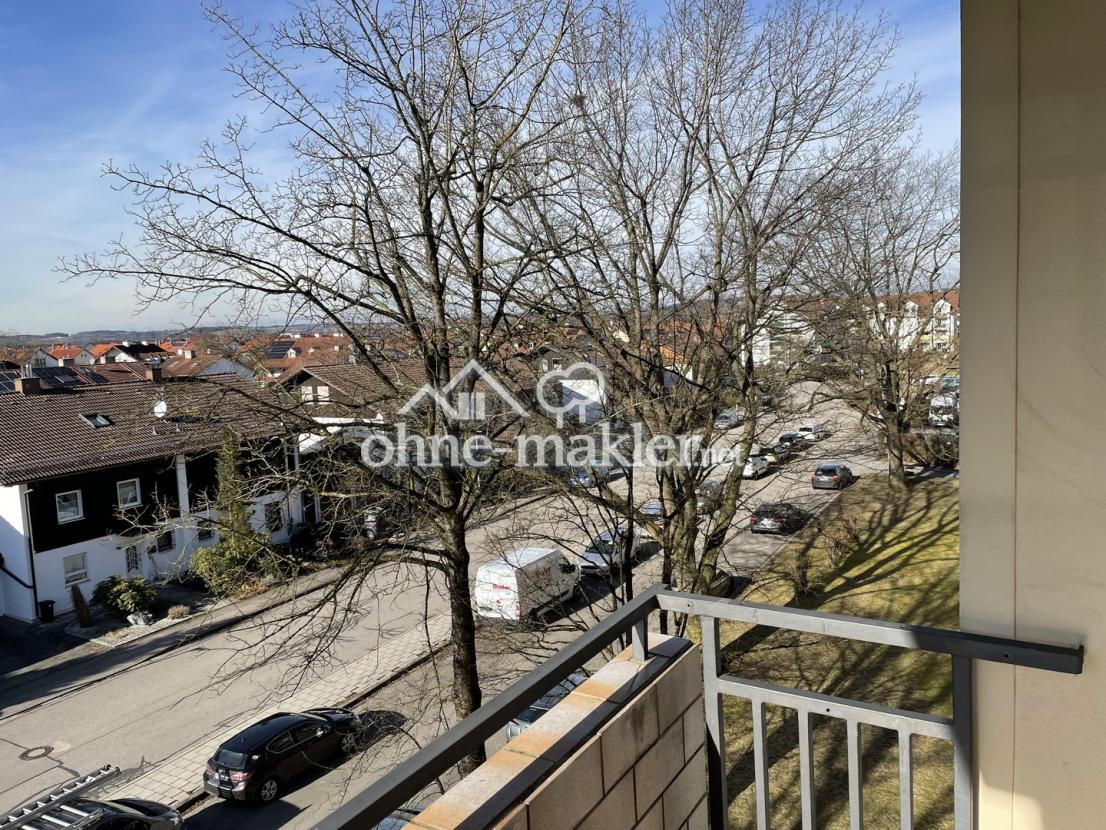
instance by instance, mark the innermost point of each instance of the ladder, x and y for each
(54, 811)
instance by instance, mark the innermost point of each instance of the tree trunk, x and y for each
(466, 680)
(896, 467)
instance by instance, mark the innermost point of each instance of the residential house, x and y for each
(36, 358)
(113, 479)
(290, 352)
(126, 352)
(65, 354)
(926, 320)
(192, 365)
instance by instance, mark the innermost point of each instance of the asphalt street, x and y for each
(137, 717)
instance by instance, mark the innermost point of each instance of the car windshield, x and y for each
(230, 759)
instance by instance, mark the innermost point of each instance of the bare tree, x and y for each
(881, 292)
(708, 152)
(414, 137)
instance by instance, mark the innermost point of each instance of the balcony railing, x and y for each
(420, 770)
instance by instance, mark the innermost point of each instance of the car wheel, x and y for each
(348, 744)
(268, 791)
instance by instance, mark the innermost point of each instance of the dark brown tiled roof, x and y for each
(44, 435)
(362, 387)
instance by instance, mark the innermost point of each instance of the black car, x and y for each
(257, 762)
(796, 440)
(832, 477)
(778, 517)
(126, 814)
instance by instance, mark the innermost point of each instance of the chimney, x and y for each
(25, 385)
(153, 373)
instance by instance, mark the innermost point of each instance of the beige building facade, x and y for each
(1033, 360)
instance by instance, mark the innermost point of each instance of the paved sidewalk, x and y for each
(74, 666)
(180, 776)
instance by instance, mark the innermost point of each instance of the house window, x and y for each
(164, 541)
(69, 506)
(274, 516)
(322, 393)
(204, 529)
(96, 420)
(128, 493)
(75, 568)
(131, 553)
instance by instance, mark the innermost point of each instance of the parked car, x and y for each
(524, 582)
(708, 495)
(832, 476)
(814, 432)
(262, 759)
(727, 419)
(383, 520)
(944, 410)
(399, 818)
(654, 511)
(604, 552)
(756, 466)
(726, 585)
(776, 454)
(589, 477)
(121, 814)
(778, 517)
(546, 702)
(795, 440)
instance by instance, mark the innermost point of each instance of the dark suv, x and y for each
(257, 762)
(122, 814)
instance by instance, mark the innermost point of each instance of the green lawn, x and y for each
(900, 562)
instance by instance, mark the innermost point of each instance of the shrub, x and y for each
(125, 596)
(178, 612)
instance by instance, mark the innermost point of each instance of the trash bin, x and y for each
(46, 610)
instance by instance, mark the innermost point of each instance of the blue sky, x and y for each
(140, 81)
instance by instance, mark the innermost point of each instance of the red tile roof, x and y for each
(65, 352)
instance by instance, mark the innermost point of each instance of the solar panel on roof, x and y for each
(277, 348)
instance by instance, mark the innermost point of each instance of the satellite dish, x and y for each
(161, 409)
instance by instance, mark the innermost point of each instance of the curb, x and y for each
(199, 796)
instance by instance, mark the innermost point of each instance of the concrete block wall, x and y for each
(625, 750)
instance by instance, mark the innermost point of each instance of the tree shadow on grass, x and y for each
(893, 573)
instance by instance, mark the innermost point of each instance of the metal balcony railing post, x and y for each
(717, 800)
(962, 749)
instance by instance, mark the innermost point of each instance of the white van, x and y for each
(524, 581)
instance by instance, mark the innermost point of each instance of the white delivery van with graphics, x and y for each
(524, 582)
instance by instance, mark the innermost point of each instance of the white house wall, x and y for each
(15, 600)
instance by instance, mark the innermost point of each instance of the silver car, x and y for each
(832, 477)
(604, 553)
